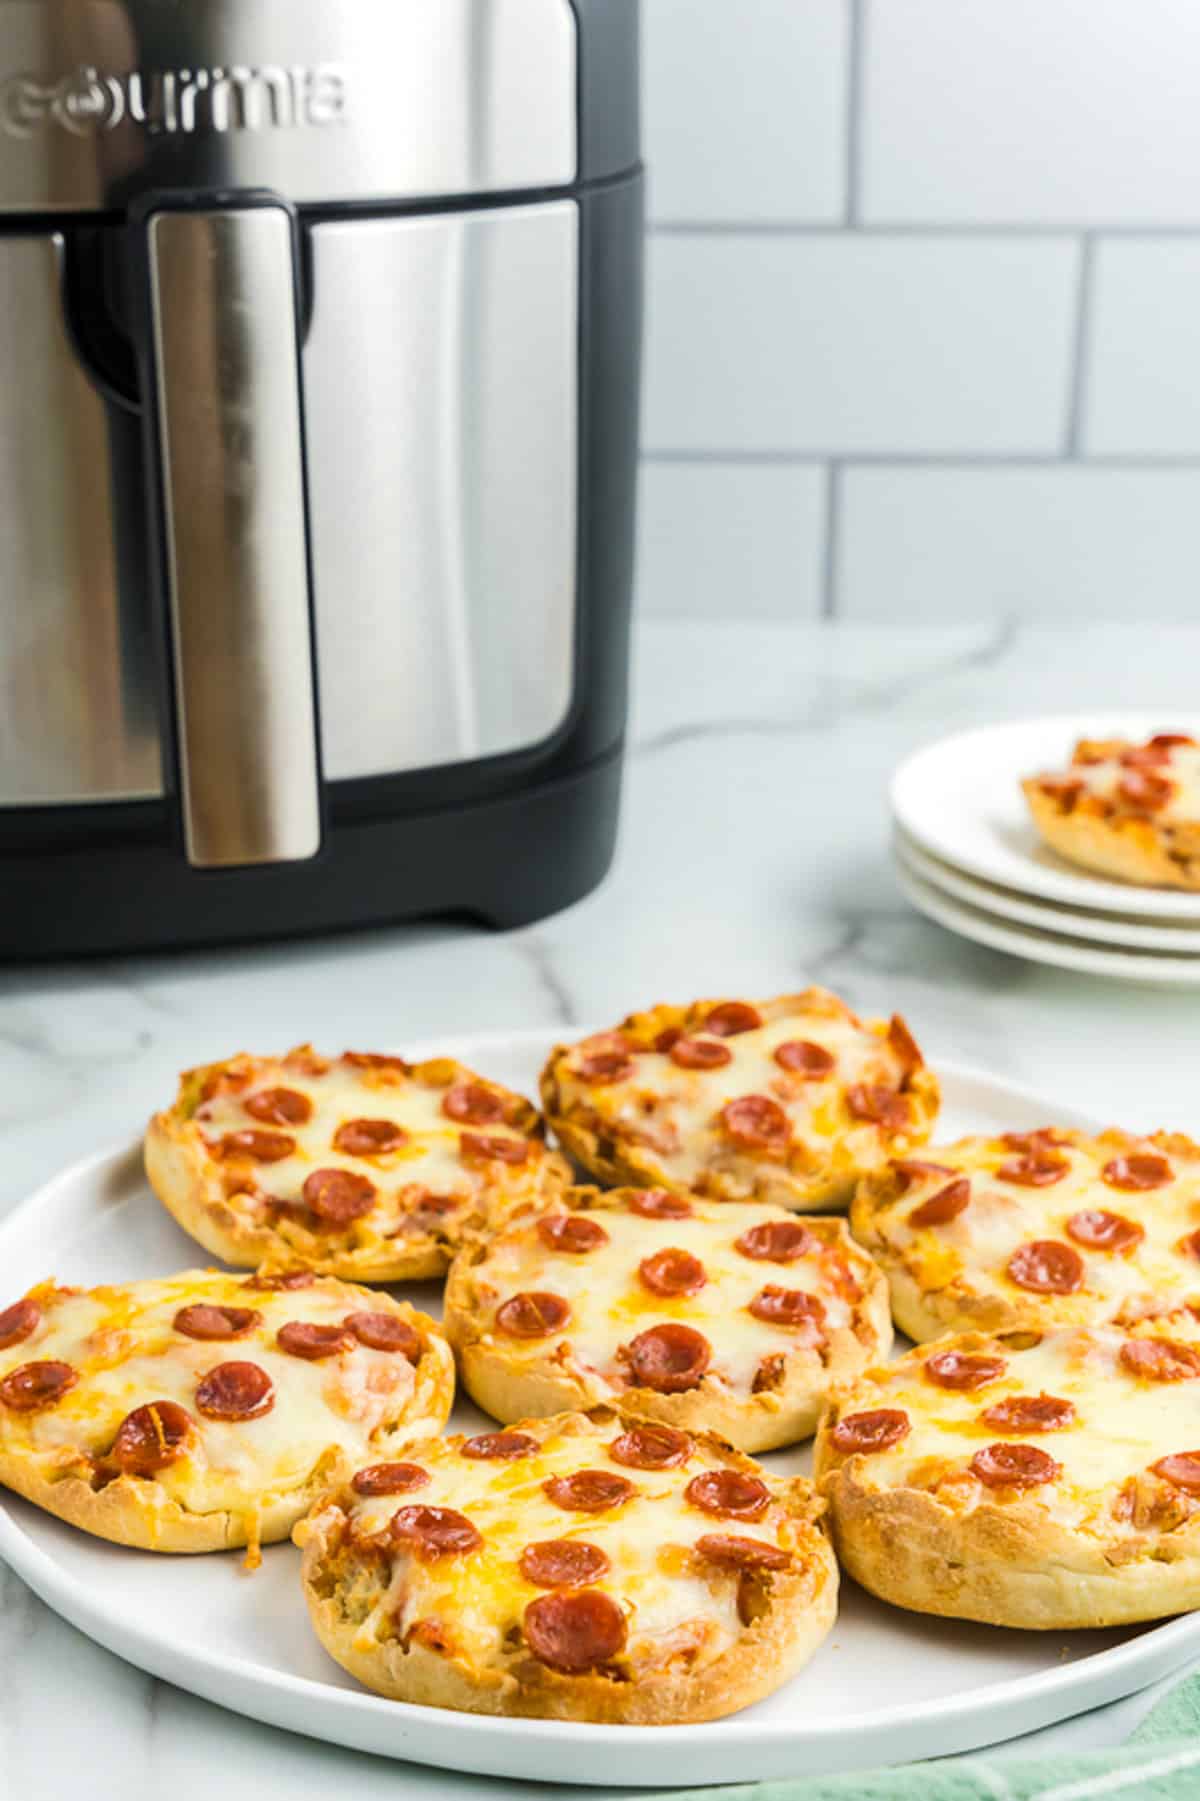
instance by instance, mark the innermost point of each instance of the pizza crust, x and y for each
(510, 1385)
(800, 1608)
(192, 1186)
(828, 1176)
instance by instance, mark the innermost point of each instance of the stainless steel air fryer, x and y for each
(319, 334)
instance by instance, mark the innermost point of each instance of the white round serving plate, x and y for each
(960, 799)
(1073, 922)
(1036, 946)
(886, 1685)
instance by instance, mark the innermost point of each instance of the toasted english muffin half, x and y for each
(1126, 810)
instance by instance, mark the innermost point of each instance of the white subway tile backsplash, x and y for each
(1020, 111)
(745, 109)
(845, 343)
(721, 540)
(1142, 371)
(1069, 541)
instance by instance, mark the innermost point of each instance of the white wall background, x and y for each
(923, 333)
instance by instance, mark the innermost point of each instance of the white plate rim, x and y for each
(484, 1744)
(1037, 946)
(1108, 929)
(1058, 881)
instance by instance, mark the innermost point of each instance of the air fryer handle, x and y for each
(225, 425)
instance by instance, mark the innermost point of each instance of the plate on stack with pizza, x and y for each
(1072, 841)
(759, 1394)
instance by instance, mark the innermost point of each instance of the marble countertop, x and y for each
(753, 858)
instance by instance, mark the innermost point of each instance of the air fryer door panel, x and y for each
(440, 385)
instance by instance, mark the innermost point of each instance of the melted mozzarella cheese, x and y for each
(673, 1114)
(122, 1342)
(610, 1304)
(976, 1245)
(1122, 1424)
(660, 1586)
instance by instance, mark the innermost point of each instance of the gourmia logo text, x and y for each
(175, 102)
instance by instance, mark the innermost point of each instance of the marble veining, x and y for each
(753, 857)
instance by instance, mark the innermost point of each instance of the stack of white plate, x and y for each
(967, 855)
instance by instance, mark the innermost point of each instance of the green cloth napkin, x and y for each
(1159, 1762)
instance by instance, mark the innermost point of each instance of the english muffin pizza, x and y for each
(1052, 1225)
(202, 1410)
(360, 1165)
(735, 1316)
(1127, 810)
(788, 1101)
(1025, 1479)
(579, 1568)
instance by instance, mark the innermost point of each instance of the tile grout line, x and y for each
(856, 27)
(833, 534)
(1073, 432)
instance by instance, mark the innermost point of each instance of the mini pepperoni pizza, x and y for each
(1050, 1224)
(788, 1101)
(594, 1567)
(1127, 810)
(1045, 1479)
(362, 1165)
(733, 1316)
(203, 1410)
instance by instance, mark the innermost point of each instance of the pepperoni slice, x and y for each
(471, 1104)
(700, 1053)
(236, 1391)
(908, 1170)
(1160, 1360)
(285, 1279)
(1168, 740)
(499, 1447)
(731, 1552)
(433, 1532)
(777, 1241)
(730, 1494)
(1029, 1413)
(279, 1106)
(1045, 1266)
(1038, 1168)
(18, 1322)
(757, 1123)
(1014, 1466)
(389, 1479)
(150, 1438)
(876, 1430)
(963, 1369)
(259, 1147)
(667, 1037)
(732, 1018)
(672, 1272)
(790, 1307)
(669, 1359)
(573, 1232)
(563, 1563)
(1063, 788)
(1103, 1231)
(374, 1060)
(1189, 1245)
(1181, 1469)
(943, 1206)
(482, 1147)
(801, 1057)
(651, 1448)
(300, 1338)
(532, 1315)
(589, 1491)
(385, 1332)
(883, 1106)
(1138, 1171)
(1041, 1138)
(35, 1385)
(338, 1196)
(657, 1203)
(369, 1137)
(203, 1321)
(603, 1065)
(1142, 789)
(574, 1631)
